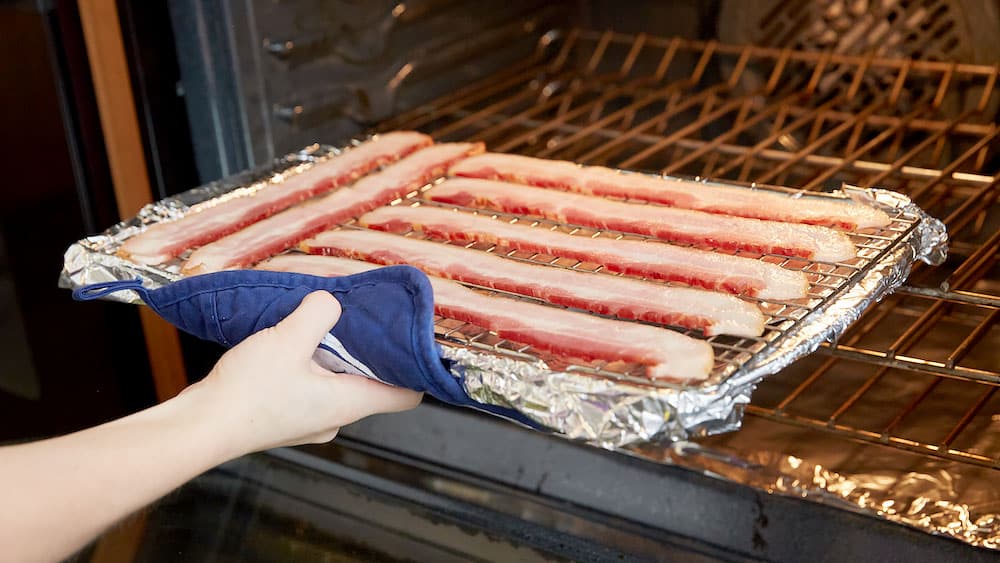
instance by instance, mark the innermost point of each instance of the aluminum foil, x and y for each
(941, 497)
(606, 412)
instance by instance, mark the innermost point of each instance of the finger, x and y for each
(309, 323)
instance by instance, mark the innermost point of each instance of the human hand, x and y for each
(271, 393)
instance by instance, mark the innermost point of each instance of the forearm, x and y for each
(59, 494)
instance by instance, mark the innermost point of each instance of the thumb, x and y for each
(305, 327)
(367, 397)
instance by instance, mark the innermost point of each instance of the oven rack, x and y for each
(827, 281)
(769, 115)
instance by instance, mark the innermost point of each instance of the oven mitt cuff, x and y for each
(386, 329)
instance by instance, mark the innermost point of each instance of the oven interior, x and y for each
(896, 94)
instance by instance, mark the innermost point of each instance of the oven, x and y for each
(883, 444)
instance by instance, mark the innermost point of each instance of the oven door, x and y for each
(360, 505)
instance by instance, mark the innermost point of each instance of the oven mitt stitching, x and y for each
(218, 326)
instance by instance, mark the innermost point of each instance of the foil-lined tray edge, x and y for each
(606, 413)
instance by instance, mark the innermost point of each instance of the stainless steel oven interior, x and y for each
(896, 94)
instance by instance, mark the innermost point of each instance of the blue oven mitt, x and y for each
(386, 329)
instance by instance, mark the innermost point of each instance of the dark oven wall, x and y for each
(246, 82)
(264, 78)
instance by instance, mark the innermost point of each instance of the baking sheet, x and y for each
(600, 405)
(685, 426)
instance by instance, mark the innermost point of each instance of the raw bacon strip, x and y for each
(666, 223)
(163, 241)
(647, 259)
(283, 230)
(714, 313)
(597, 180)
(571, 335)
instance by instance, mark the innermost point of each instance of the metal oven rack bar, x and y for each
(805, 120)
